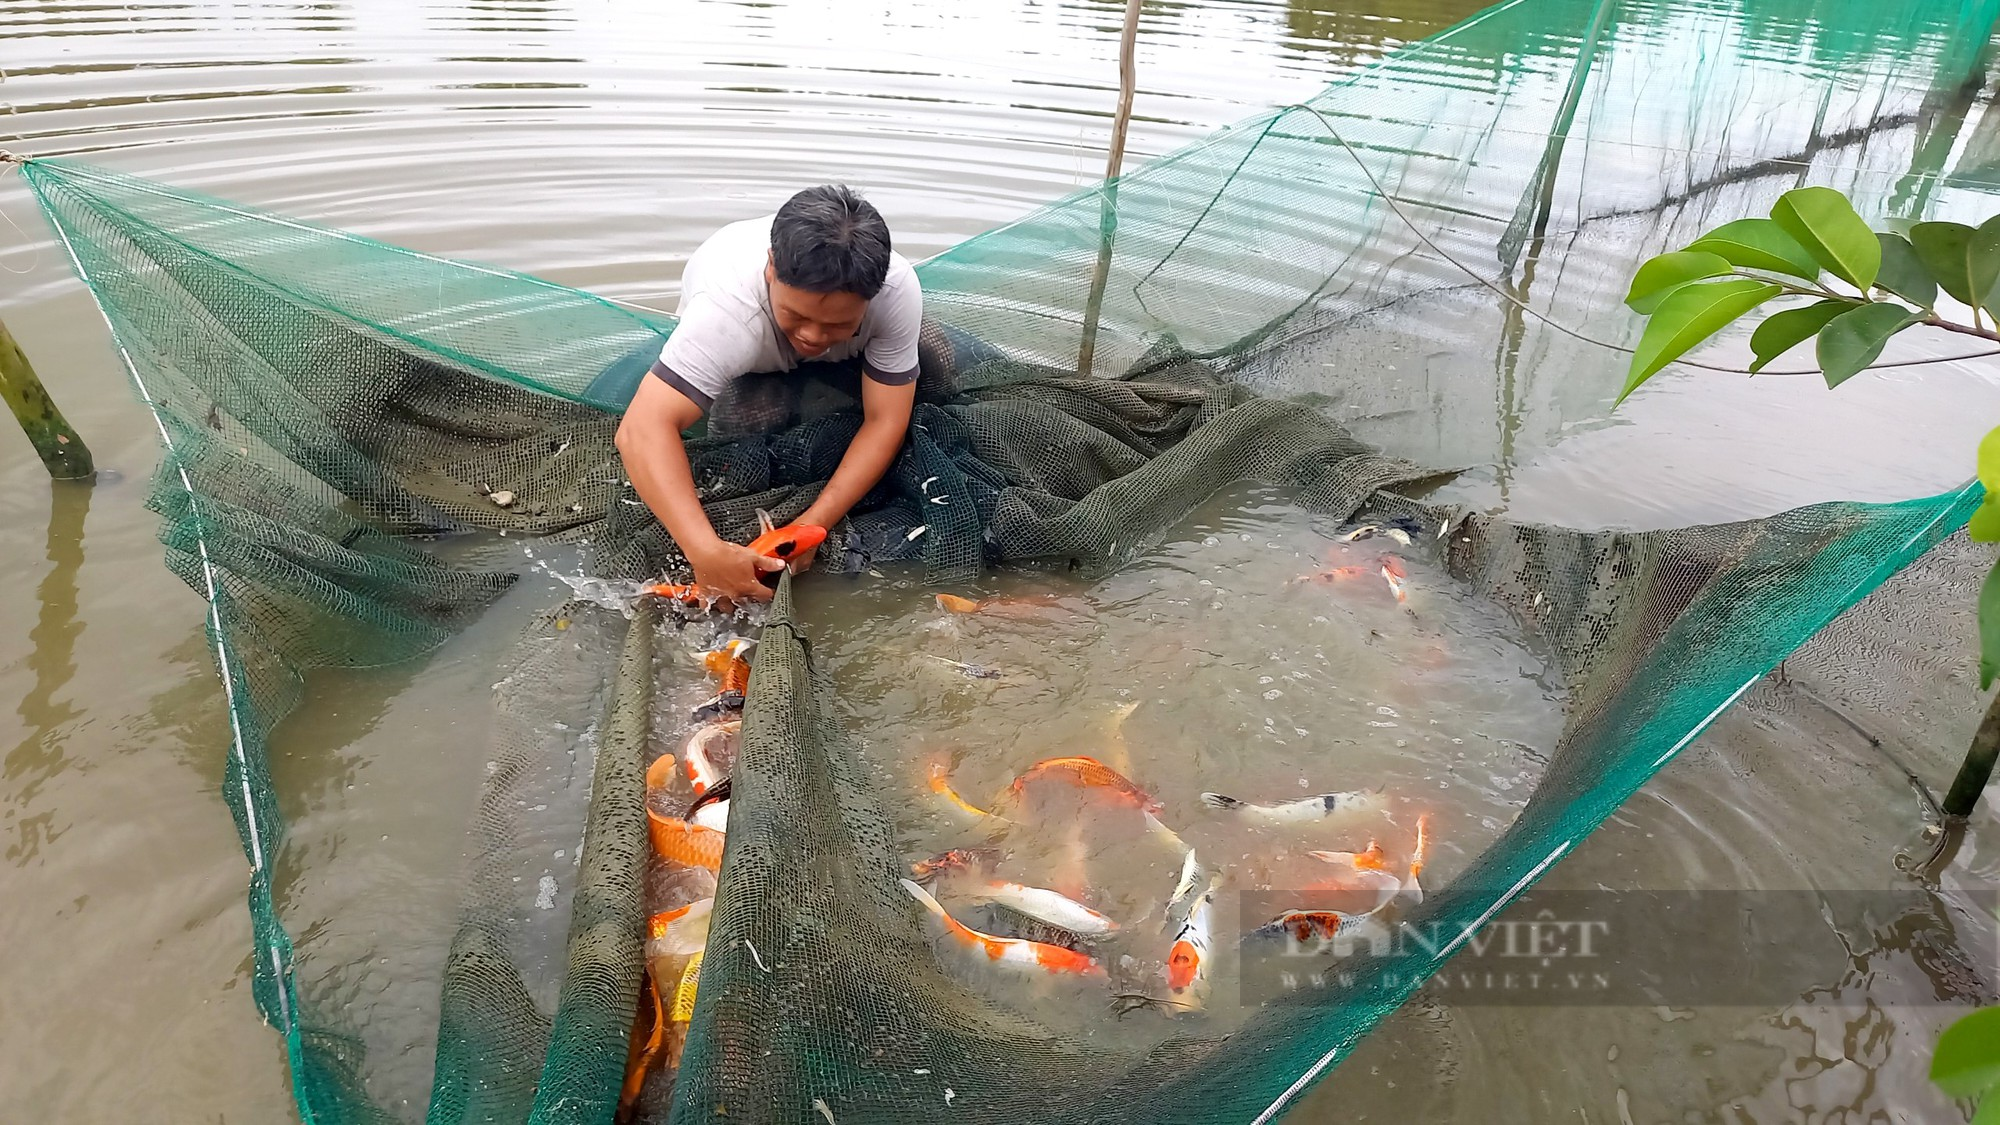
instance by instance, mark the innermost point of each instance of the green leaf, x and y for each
(1989, 663)
(1903, 274)
(1688, 316)
(1852, 340)
(1966, 1063)
(1989, 1112)
(1824, 222)
(1660, 276)
(1984, 526)
(1965, 261)
(1759, 244)
(1783, 331)
(1989, 463)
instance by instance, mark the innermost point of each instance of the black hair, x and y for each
(827, 239)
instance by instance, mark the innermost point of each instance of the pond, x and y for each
(597, 146)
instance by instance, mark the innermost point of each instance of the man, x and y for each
(816, 281)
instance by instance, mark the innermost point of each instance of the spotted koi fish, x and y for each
(970, 871)
(1367, 871)
(709, 753)
(1014, 953)
(1305, 810)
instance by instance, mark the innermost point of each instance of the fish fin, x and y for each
(1187, 894)
(923, 896)
(765, 525)
(660, 774)
(1224, 801)
(1370, 857)
(1423, 845)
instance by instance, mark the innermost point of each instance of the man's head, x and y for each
(829, 257)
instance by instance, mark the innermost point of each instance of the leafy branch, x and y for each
(1864, 286)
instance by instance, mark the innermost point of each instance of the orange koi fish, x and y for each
(649, 1033)
(689, 594)
(691, 844)
(730, 663)
(1014, 953)
(1397, 578)
(1082, 772)
(1025, 606)
(788, 542)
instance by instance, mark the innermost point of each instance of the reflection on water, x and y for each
(1547, 161)
(52, 659)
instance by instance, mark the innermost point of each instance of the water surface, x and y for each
(598, 145)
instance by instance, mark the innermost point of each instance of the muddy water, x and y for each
(598, 146)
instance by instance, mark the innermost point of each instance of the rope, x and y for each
(10, 162)
(1562, 328)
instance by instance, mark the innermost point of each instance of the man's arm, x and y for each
(649, 441)
(885, 419)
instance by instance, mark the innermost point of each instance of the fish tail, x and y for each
(1224, 801)
(940, 782)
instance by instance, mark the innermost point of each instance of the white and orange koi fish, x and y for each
(1014, 953)
(1188, 962)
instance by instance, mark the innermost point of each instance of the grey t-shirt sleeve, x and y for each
(706, 350)
(892, 350)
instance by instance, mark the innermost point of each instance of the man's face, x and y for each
(813, 322)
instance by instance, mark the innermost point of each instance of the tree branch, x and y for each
(1936, 321)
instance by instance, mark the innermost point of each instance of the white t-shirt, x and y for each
(727, 330)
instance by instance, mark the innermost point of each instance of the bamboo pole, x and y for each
(1107, 225)
(60, 448)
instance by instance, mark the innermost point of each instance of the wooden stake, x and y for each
(60, 448)
(1128, 82)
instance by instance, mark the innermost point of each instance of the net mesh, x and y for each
(343, 422)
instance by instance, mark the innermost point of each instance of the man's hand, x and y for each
(730, 570)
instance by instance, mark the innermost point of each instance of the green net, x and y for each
(349, 428)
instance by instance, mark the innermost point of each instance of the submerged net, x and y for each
(344, 421)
